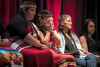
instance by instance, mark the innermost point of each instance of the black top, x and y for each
(17, 27)
(92, 46)
(70, 47)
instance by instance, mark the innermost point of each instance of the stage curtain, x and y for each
(55, 7)
(74, 8)
(7, 10)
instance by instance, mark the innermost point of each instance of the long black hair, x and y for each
(85, 26)
(84, 30)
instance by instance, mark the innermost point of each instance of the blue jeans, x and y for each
(88, 61)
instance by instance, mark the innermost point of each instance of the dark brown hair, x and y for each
(25, 6)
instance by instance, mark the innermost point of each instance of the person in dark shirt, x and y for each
(21, 25)
(86, 36)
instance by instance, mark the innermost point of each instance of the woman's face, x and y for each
(30, 13)
(91, 27)
(48, 23)
(66, 23)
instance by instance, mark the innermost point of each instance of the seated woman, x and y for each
(49, 37)
(70, 43)
(86, 38)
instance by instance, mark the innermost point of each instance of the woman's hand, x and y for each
(44, 47)
(44, 42)
(87, 53)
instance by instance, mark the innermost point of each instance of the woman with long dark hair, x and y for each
(87, 40)
(86, 37)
